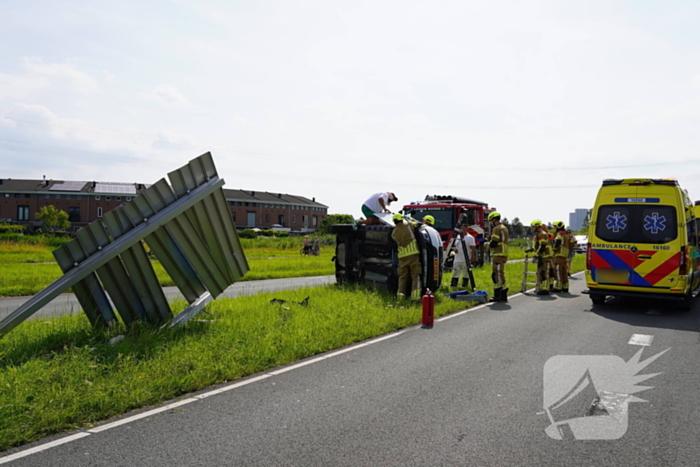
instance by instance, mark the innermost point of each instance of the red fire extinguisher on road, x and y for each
(428, 309)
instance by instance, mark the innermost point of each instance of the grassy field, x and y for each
(273, 264)
(27, 265)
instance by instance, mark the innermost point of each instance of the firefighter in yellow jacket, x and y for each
(409, 260)
(499, 256)
(542, 247)
(562, 245)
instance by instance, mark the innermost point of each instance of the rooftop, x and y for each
(121, 188)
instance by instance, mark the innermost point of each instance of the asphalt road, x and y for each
(470, 391)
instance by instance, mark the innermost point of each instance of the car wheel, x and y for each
(597, 299)
(686, 303)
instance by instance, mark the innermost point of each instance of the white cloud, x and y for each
(15, 87)
(77, 80)
(167, 95)
(167, 139)
(34, 77)
(33, 120)
(109, 77)
(8, 122)
(36, 121)
(40, 131)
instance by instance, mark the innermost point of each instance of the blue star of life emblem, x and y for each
(654, 223)
(616, 222)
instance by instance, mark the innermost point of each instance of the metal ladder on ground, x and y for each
(526, 273)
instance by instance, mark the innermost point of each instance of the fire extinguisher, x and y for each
(428, 309)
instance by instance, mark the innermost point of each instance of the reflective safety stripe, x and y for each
(417, 287)
(495, 237)
(504, 251)
(408, 250)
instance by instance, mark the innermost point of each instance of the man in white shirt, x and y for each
(377, 203)
(459, 267)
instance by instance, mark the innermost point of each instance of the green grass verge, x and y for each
(61, 375)
(26, 268)
(26, 279)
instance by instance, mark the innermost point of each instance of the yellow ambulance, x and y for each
(643, 242)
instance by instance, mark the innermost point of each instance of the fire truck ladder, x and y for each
(526, 273)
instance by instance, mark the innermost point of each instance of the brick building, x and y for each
(263, 209)
(21, 200)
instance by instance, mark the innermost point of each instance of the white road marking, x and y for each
(333, 354)
(231, 386)
(43, 447)
(641, 339)
(133, 418)
(460, 313)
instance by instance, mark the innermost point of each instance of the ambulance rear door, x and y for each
(644, 236)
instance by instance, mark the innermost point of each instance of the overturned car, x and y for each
(368, 255)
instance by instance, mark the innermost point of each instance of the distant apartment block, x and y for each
(84, 201)
(577, 218)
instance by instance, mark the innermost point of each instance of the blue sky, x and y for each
(526, 105)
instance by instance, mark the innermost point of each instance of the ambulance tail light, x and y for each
(683, 267)
(589, 255)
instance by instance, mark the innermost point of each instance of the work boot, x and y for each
(504, 295)
(543, 292)
(496, 295)
(455, 281)
(465, 283)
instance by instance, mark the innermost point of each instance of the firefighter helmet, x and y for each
(494, 215)
(430, 220)
(536, 223)
(559, 225)
(397, 217)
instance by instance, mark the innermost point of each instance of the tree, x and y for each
(586, 222)
(518, 228)
(330, 219)
(53, 219)
(506, 224)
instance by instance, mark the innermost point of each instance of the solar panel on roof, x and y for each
(121, 188)
(67, 186)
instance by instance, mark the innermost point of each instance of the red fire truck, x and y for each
(448, 210)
